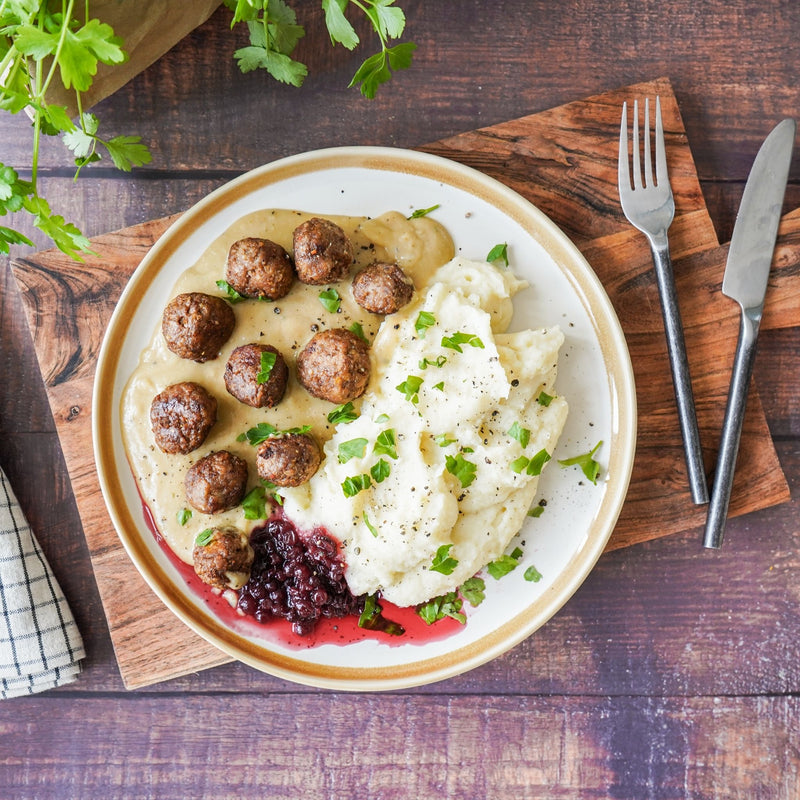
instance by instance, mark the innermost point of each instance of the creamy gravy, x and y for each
(419, 246)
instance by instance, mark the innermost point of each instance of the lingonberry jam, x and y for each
(297, 579)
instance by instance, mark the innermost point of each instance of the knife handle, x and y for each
(732, 429)
(679, 365)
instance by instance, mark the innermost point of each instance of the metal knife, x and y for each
(746, 275)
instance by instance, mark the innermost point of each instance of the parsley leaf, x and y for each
(590, 467)
(370, 527)
(353, 448)
(264, 430)
(443, 439)
(455, 341)
(473, 590)
(204, 537)
(544, 399)
(358, 329)
(380, 471)
(422, 212)
(372, 618)
(233, 296)
(268, 359)
(504, 564)
(254, 504)
(426, 362)
(499, 251)
(355, 484)
(424, 321)
(532, 574)
(531, 466)
(184, 515)
(343, 413)
(443, 562)
(410, 388)
(446, 605)
(385, 444)
(522, 435)
(462, 469)
(331, 300)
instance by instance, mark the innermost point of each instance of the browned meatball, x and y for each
(334, 365)
(259, 268)
(216, 482)
(322, 252)
(288, 460)
(181, 417)
(382, 288)
(196, 325)
(222, 557)
(242, 376)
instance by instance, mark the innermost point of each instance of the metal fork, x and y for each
(650, 207)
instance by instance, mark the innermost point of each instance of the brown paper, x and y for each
(148, 29)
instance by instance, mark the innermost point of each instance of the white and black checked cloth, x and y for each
(40, 645)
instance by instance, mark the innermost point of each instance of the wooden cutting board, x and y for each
(564, 161)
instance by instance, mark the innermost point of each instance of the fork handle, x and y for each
(679, 364)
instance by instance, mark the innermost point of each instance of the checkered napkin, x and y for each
(40, 645)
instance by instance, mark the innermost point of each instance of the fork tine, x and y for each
(623, 171)
(648, 164)
(637, 168)
(661, 155)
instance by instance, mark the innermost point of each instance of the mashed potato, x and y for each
(449, 442)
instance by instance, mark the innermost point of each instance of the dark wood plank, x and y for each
(394, 747)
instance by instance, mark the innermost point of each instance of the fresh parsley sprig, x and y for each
(274, 34)
(42, 44)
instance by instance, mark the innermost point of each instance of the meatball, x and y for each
(289, 459)
(222, 557)
(382, 288)
(181, 417)
(196, 325)
(322, 252)
(217, 482)
(259, 268)
(244, 368)
(334, 365)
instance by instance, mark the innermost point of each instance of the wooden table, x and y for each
(672, 672)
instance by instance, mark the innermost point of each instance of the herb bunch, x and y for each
(47, 42)
(41, 43)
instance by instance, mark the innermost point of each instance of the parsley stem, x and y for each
(57, 55)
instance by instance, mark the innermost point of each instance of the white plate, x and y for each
(595, 376)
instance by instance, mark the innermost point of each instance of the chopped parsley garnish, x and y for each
(544, 399)
(532, 574)
(536, 511)
(531, 466)
(522, 435)
(446, 605)
(426, 362)
(372, 619)
(443, 439)
(439, 386)
(184, 515)
(254, 504)
(381, 418)
(353, 448)
(504, 564)
(473, 590)
(423, 212)
(442, 562)
(499, 251)
(590, 468)
(204, 537)
(232, 296)
(380, 471)
(385, 444)
(410, 388)
(268, 359)
(455, 341)
(263, 431)
(331, 300)
(357, 483)
(424, 321)
(462, 469)
(358, 329)
(343, 413)
(370, 527)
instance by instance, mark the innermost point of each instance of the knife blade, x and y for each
(746, 276)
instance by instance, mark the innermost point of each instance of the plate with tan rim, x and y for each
(559, 547)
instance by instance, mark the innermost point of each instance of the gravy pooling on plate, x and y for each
(418, 246)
